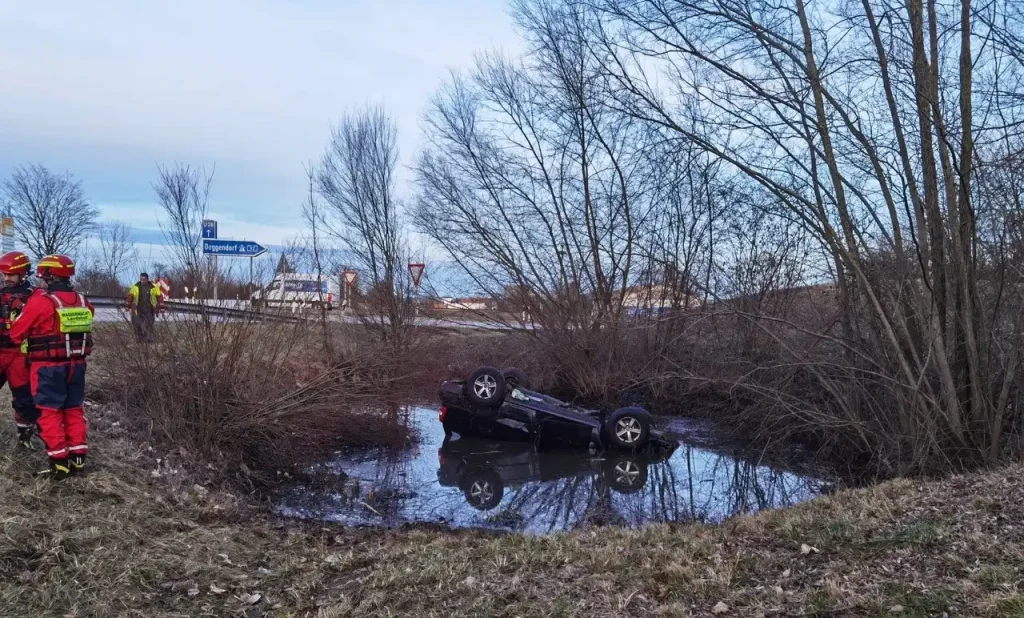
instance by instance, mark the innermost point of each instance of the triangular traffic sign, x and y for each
(350, 277)
(416, 270)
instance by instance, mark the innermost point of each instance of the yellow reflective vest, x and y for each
(154, 296)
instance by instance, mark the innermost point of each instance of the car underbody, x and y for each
(523, 415)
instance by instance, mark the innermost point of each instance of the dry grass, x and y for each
(242, 391)
(124, 541)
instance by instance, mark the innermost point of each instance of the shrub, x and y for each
(267, 394)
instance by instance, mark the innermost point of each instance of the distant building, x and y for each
(657, 299)
(465, 304)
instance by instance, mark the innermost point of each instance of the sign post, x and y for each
(416, 270)
(233, 248)
(350, 283)
(7, 234)
(209, 229)
(210, 233)
(229, 248)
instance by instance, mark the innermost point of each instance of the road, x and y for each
(110, 314)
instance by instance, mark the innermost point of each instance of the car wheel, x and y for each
(516, 378)
(628, 428)
(483, 489)
(485, 387)
(626, 475)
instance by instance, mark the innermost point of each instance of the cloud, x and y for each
(108, 89)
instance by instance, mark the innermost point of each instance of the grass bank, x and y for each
(141, 537)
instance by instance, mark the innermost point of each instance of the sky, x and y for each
(108, 89)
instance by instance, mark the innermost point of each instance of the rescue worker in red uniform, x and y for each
(15, 267)
(55, 331)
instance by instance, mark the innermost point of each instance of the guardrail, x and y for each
(200, 308)
(285, 314)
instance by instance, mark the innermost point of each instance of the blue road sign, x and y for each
(209, 229)
(233, 248)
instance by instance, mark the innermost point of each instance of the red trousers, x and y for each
(58, 389)
(14, 371)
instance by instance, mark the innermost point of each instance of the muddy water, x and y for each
(483, 484)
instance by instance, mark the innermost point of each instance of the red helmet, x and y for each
(15, 263)
(55, 266)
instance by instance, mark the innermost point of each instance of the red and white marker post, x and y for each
(350, 282)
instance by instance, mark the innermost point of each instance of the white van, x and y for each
(297, 290)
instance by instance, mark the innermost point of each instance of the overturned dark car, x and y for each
(498, 405)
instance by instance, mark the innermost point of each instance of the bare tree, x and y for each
(864, 122)
(117, 250)
(356, 179)
(539, 187)
(51, 212)
(766, 257)
(321, 257)
(183, 193)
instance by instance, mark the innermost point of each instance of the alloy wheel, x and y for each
(628, 429)
(485, 387)
(627, 473)
(481, 492)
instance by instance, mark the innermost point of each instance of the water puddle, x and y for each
(472, 483)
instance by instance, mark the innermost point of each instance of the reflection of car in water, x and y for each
(484, 469)
(499, 405)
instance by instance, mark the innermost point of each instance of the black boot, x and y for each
(25, 438)
(59, 470)
(77, 464)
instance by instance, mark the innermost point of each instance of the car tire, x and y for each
(483, 488)
(516, 378)
(625, 474)
(485, 388)
(628, 429)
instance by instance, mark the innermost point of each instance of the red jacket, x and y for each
(12, 301)
(39, 316)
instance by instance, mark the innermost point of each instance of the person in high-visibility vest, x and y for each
(55, 331)
(144, 301)
(15, 268)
